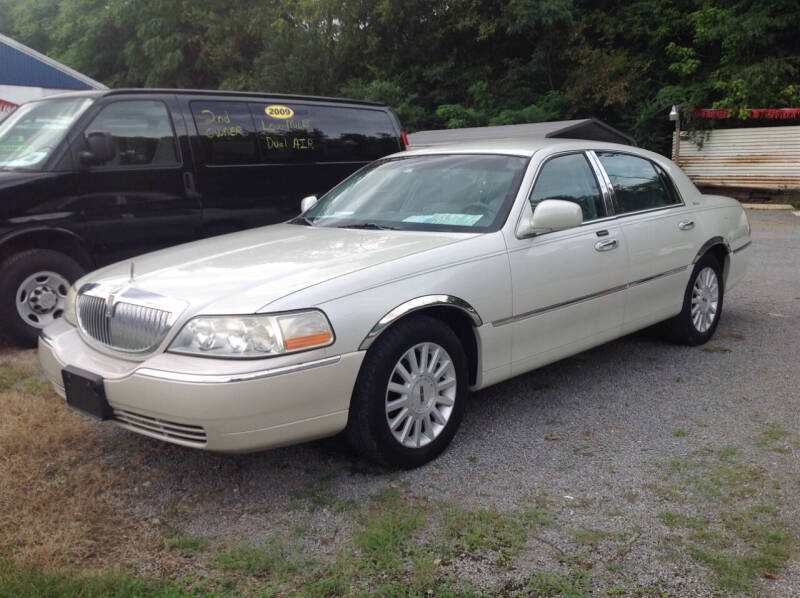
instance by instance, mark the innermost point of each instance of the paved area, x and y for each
(641, 453)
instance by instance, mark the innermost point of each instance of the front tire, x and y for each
(702, 305)
(33, 288)
(410, 395)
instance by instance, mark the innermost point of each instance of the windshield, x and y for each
(30, 133)
(454, 192)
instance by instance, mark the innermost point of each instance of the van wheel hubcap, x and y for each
(40, 298)
(420, 395)
(705, 299)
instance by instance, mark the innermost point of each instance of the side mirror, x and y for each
(549, 216)
(307, 203)
(101, 148)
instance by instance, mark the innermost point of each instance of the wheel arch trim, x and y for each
(417, 304)
(709, 244)
(51, 233)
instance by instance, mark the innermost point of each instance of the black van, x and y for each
(94, 177)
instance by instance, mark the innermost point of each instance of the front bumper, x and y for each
(263, 405)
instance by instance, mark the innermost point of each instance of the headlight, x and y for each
(253, 336)
(69, 306)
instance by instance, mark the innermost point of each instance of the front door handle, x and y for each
(606, 245)
(686, 225)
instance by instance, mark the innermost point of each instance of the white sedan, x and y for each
(423, 276)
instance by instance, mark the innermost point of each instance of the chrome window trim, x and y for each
(607, 187)
(238, 377)
(597, 295)
(538, 172)
(415, 305)
(658, 168)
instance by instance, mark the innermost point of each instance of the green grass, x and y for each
(186, 545)
(680, 433)
(544, 584)
(274, 560)
(35, 583)
(737, 531)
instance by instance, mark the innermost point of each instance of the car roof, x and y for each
(209, 92)
(528, 146)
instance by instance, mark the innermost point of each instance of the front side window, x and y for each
(569, 178)
(141, 131)
(440, 192)
(30, 133)
(637, 184)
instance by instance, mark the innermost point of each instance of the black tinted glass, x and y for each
(569, 178)
(141, 131)
(637, 184)
(226, 132)
(291, 132)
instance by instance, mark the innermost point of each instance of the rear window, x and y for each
(268, 132)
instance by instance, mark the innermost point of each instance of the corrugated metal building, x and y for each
(25, 74)
(765, 158)
(584, 128)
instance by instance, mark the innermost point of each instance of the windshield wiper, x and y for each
(368, 225)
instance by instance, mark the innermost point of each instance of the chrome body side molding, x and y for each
(240, 377)
(415, 305)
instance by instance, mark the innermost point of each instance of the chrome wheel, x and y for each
(705, 299)
(40, 298)
(420, 395)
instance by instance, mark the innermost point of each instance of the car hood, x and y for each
(246, 271)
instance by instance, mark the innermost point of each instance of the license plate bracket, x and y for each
(86, 392)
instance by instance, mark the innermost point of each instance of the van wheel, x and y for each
(702, 305)
(33, 288)
(410, 395)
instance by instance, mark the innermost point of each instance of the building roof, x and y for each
(24, 66)
(584, 128)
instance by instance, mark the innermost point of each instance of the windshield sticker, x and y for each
(447, 219)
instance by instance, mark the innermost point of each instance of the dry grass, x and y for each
(54, 485)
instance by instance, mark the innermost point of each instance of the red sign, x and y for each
(751, 112)
(6, 106)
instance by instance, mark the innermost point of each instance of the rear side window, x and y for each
(292, 132)
(141, 131)
(226, 132)
(637, 184)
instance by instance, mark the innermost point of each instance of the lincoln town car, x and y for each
(423, 276)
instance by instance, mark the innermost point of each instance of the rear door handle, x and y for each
(686, 225)
(606, 245)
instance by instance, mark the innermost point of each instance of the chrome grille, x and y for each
(163, 429)
(130, 327)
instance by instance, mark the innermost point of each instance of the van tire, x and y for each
(33, 287)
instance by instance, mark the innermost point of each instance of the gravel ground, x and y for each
(599, 440)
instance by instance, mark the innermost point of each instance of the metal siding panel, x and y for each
(761, 158)
(17, 68)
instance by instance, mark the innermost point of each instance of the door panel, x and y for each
(566, 292)
(138, 201)
(661, 254)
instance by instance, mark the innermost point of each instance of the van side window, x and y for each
(569, 178)
(226, 132)
(141, 131)
(637, 184)
(293, 132)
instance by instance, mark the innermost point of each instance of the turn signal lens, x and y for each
(69, 306)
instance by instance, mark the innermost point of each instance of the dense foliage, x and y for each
(442, 62)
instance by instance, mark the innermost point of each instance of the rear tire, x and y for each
(33, 287)
(410, 394)
(702, 305)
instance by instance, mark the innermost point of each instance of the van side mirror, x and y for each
(101, 148)
(549, 216)
(307, 203)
